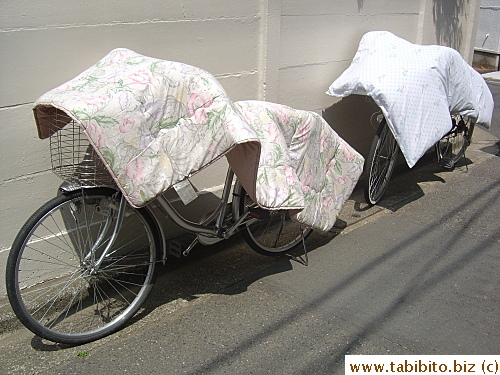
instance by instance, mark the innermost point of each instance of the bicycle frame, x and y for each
(208, 231)
(201, 228)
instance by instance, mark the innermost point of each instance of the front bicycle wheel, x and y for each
(54, 284)
(269, 232)
(452, 146)
(380, 163)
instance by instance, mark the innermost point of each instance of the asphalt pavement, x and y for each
(416, 274)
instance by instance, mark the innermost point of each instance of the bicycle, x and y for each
(84, 263)
(417, 87)
(384, 151)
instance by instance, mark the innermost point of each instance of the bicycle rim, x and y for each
(270, 232)
(452, 146)
(380, 163)
(52, 282)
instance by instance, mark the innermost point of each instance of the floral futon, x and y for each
(154, 123)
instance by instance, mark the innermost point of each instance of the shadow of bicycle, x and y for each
(208, 270)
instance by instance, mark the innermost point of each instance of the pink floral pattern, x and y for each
(303, 163)
(156, 122)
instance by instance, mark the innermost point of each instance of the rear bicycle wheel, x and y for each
(269, 232)
(53, 284)
(452, 146)
(380, 163)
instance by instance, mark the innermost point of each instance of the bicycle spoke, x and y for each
(380, 163)
(54, 285)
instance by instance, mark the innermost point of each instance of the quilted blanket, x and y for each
(154, 123)
(303, 163)
(416, 87)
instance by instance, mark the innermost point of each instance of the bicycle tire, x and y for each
(50, 282)
(452, 146)
(270, 232)
(380, 163)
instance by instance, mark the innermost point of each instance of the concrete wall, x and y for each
(286, 51)
(488, 30)
(487, 46)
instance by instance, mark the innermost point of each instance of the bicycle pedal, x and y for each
(446, 163)
(258, 213)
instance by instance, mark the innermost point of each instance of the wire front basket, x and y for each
(73, 157)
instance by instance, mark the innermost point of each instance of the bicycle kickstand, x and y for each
(299, 259)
